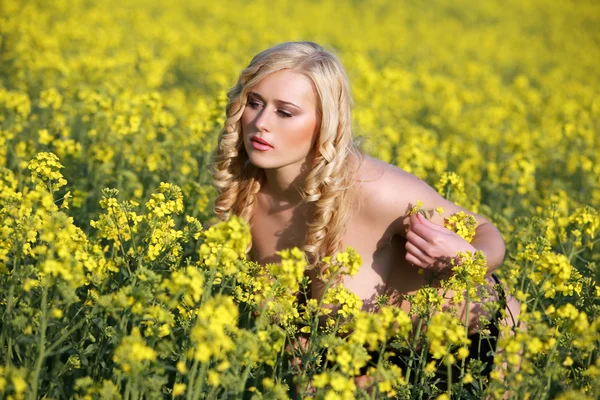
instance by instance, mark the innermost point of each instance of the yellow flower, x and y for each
(468, 378)
(19, 384)
(214, 378)
(179, 389)
(181, 367)
(462, 224)
(217, 320)
(133, 354)
(45, 168)
(444, 331)
(426, 300)
(268, 383)
(346, 301)
(416, 208)
(57, 313)
(431, 367)
(44, 136)
(568, 361)
(463, 353)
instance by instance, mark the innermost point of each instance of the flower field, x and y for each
(117, 282)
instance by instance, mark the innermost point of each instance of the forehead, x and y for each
(287, 85)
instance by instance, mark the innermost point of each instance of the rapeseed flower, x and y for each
(45, 168)
(133, 354)
(445, 331)
(217, 321)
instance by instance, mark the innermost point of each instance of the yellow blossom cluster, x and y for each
(425, 301)
(452, 187)
(467, 277)
(186, 284)
(339, 386)
(168, 200)
(225, 245)
(445, 332)
(12, 383)
(346, 262)
(462, 224)
(253, 284)
(216, 323)
(133, 354)
(290, 271)
(373, 329)
(554, 273)
(346, 302)
(133, 98)
(120, 221)
(45, 169)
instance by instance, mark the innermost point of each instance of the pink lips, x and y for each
(260, 144)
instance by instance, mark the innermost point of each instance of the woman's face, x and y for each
(282, 112)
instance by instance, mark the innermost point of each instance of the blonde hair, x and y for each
(329, 182)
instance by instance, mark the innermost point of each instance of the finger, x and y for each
(413, 260)
(431, 225)
(418, 254)
(413, 220)
(418, 241)
(424, 232)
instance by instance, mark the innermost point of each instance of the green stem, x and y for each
(65, 335)
(120, 242)
(193, 372)
(9, 306)
(42, 343)
(413, 350)
(7, 317)
(212, 393)
(589, 360)
(549, 381)
(462, 362)
(242, 387)
(208, 292)
(313, 329)
(422, 361)
(449, 370)
(199, 384)
(127, 394)
(420, 373)
(381, 351)
(135, 391)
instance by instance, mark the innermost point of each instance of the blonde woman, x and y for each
(287, 163)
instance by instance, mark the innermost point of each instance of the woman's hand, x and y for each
(431, 246)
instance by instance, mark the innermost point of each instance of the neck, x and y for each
(284, 184)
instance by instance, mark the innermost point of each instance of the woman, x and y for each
(286, 162)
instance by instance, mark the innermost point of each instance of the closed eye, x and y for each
(255, 105)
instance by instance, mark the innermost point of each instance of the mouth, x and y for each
(261, 141)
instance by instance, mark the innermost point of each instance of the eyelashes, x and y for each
(255, 105)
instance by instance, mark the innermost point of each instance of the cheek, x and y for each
(244, 122)
(246, 119)
(302, 133)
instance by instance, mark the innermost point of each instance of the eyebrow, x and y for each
(276, 100)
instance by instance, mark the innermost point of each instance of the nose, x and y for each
(262, 120)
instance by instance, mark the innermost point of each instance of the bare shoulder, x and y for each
(383, 192)
(388, 193)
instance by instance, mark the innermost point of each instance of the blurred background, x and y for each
(132, 93)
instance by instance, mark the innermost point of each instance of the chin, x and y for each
(260, 162)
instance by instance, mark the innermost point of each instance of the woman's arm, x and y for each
(429, 243)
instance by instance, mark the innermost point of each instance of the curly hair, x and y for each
(328, 184)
